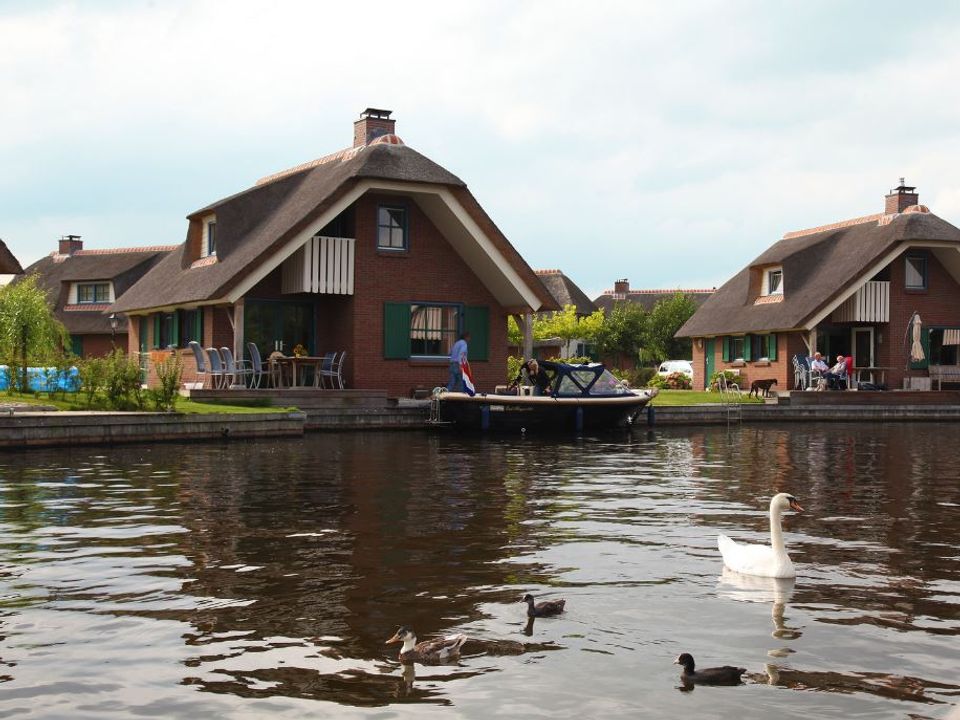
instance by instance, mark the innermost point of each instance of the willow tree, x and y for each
(29, 333)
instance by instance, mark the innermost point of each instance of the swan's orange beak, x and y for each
(395, 639)
(795, 506)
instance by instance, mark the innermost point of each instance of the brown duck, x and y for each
(429, 652)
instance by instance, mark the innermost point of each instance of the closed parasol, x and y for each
(916, 347)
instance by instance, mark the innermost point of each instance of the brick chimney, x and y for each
(900, 198)
(621, 287)
(372, 124)
(69, 244)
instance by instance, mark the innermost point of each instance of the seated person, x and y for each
(536, 375)
(837, 375)
(817, 364)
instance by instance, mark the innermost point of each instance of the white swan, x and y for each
(765, 560)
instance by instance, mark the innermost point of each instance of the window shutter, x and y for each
(198, 332)
(156, 331)
(726, 348)
(175, 329)
(747, 342)
(772, 347)
(476, 321)
(925, 343)
(396, 331)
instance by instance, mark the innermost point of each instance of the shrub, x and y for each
(641, 376)
(673, 381)
(170, 372)
(514, 362)
(122, 382)
(93, 376)
(731, 377)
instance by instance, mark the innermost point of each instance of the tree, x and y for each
(622, 334)
(664, 321)
(28, 330)
(567, 325)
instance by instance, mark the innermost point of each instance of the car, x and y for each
(672, 366)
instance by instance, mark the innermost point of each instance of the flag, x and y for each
(468, 387)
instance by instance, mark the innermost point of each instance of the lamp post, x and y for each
(114, 321)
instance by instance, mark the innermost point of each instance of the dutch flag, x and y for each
(468, 387)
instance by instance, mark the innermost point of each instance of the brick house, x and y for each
(374, 250)
(848, 288)
(82, 285)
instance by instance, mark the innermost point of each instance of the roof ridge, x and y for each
(114, 251)
(632, 291)
(342, 155)
(839, 225)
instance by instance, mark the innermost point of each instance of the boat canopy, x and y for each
(588, 380)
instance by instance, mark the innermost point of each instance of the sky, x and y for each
(665, 143)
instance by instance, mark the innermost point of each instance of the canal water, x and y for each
(261, 579)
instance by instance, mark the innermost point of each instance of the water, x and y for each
(262, 579)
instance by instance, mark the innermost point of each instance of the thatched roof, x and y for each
(123, 267)
(253, 225)
(818, 266)
(9, 265)
(565, 291)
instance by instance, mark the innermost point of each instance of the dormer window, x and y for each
(772, 283)
(208, 241)
(93, 293)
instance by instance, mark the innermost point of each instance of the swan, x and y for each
(763, 560)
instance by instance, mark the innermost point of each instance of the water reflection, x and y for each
(231, 578)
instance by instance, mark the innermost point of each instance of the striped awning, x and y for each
(951, 337)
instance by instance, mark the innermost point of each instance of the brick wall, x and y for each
(100, 345)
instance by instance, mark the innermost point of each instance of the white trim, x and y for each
(765, 280)
(204, 237)
(853, 346)
(871, 271)
(459, 212)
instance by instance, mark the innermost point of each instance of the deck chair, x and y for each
(257, 370)
(201, 362)
(325, 370)
(236, 370)
(335, 373)
(801, 372)
(217, 372)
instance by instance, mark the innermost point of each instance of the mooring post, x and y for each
(651, 416)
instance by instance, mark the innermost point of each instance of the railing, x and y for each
(871, 303)
(322, 265)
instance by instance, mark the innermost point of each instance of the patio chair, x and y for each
(324, 370)
(201, 362)
(217, 372)
(256, 365)
(236, 370)
(336, 372)
(801, 372)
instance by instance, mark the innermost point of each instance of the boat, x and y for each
(584, 397)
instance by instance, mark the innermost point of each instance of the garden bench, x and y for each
(948, 373)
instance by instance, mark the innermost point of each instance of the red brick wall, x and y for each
(780, 369)
(100, 345)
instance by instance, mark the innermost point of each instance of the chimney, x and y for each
(621, 287)
(900, 198)
(372, 124)
(69, 244)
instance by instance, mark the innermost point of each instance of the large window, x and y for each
(433, 329)
(391, 228)
(916, 272)
(92, 293)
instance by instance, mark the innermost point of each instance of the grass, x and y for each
(694, 397)
(74, 403)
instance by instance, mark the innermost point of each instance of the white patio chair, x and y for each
(236, 370)
(201, 362)
(256, 365)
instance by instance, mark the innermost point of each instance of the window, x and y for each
(916, 272)
(429, 330)
(391, 228)
(736, 348)
(758, 346)
(191, 326)
(212, 238)
(92, 293)
(775, 282)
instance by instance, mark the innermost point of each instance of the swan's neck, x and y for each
(409, 644)
(776, 533)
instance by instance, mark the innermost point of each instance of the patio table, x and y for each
(299, 365)
(872, 373)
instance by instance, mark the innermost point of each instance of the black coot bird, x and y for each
(546, 608)
(726, 675)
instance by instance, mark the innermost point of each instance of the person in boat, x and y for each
(535, 373)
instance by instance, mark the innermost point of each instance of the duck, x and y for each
(429, 651)
(763, 560)
(724, 675)
(547, 608)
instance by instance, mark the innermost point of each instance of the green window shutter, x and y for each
(198, 331)
(746, 347)
(396, 331)
(476, 321)
(175, 329)
(156, 332)
(76, 345)
(144, 346)
(726, 348)
(772, 347)
(925, 342)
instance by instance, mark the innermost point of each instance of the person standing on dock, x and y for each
(458, 357)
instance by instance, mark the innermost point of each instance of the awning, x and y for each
(951, 337)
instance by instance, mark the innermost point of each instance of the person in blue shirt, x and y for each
(457, 354)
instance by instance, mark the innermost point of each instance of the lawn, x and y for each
(184, 405)
(694, 397)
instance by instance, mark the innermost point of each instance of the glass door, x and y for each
(862, 342)
(278, 326)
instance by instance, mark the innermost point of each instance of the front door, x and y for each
(277, 325)
(708, 361)
(862, 344)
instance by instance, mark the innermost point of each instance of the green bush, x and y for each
(93, 377)
(514, 363)
(731, 377)
(673, 381)
(169, 372)
(642, 376)
(122, 382)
